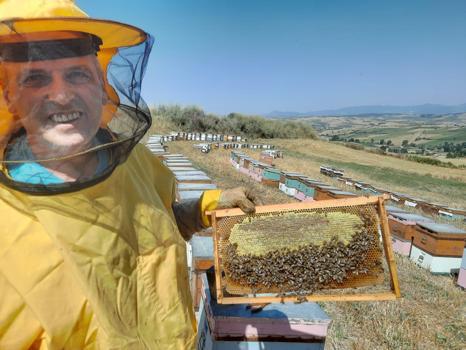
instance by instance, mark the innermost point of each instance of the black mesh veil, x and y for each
(71, 110)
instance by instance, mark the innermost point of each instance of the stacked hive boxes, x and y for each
(277, 326)
(402, 226)
(438, 247)
(191, 184)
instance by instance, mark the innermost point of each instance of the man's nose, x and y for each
(59, 91)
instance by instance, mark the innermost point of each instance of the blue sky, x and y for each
(257, 56)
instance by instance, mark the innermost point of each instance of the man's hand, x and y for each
(244, 198)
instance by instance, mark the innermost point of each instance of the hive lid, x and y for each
(441, 228)
(273, 170)
(327, 187)
(346, 193)
(392, 209)
(410, 217)
(198, 186)
(182, 168)
(187, 195)
(188, 172)
(192, 177)
(202, 247)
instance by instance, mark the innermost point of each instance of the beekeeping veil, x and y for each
(70, 104)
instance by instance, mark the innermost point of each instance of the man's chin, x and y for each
(68, 145)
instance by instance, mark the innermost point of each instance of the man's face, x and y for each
(58, 102)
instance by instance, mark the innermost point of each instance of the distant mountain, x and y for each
(427, 108)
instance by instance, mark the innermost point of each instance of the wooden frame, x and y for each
(393, 294)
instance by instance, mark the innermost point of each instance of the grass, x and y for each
(424, 181)
(431, 314)
(455, 135)
(428, 130)
(412, 182)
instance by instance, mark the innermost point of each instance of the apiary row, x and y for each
(400, 198)
(234, 145)
(214, 140)
(198, 136)
(436, 247)
(235, 326)
(299, 186)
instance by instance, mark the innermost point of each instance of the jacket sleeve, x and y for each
(191, 215)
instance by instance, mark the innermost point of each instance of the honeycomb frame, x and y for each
(230, 291)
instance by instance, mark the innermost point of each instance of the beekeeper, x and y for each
(91, 254)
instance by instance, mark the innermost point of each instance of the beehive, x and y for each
(304, 251)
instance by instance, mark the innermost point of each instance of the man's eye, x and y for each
(78, 76)
(35, 80)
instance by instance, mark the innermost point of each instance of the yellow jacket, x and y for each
(100, 268)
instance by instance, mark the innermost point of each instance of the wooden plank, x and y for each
(218, 272)
(387, 244)
(203, 264)
(331, 203)
(381, 296)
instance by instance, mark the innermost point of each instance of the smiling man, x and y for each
(59, 105)
(91, 255)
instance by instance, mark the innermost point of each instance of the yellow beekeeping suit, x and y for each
(99, 268)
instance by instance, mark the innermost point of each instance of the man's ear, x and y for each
(8, 100)
(5, 89)
(105, 97)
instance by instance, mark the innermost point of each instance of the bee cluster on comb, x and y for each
(300, 252)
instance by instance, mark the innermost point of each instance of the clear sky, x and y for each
(257, 56)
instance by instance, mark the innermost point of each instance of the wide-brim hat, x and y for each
(34, 16)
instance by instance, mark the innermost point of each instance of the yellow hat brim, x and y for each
(113, 34)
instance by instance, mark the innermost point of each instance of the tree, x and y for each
(389, 142)
(382, 141)
(404, 143)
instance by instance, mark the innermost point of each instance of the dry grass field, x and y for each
(427, 130)
(431, 314)
(433, 183)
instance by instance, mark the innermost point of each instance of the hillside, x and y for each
(425, 181)
(431, 313)
(425, 134)
(427, 108)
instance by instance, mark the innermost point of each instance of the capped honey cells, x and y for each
(302, 252)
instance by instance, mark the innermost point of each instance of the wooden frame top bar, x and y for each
(331, 203)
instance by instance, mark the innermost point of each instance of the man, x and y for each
(91, 255)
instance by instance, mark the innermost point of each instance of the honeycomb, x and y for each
(301, 251)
